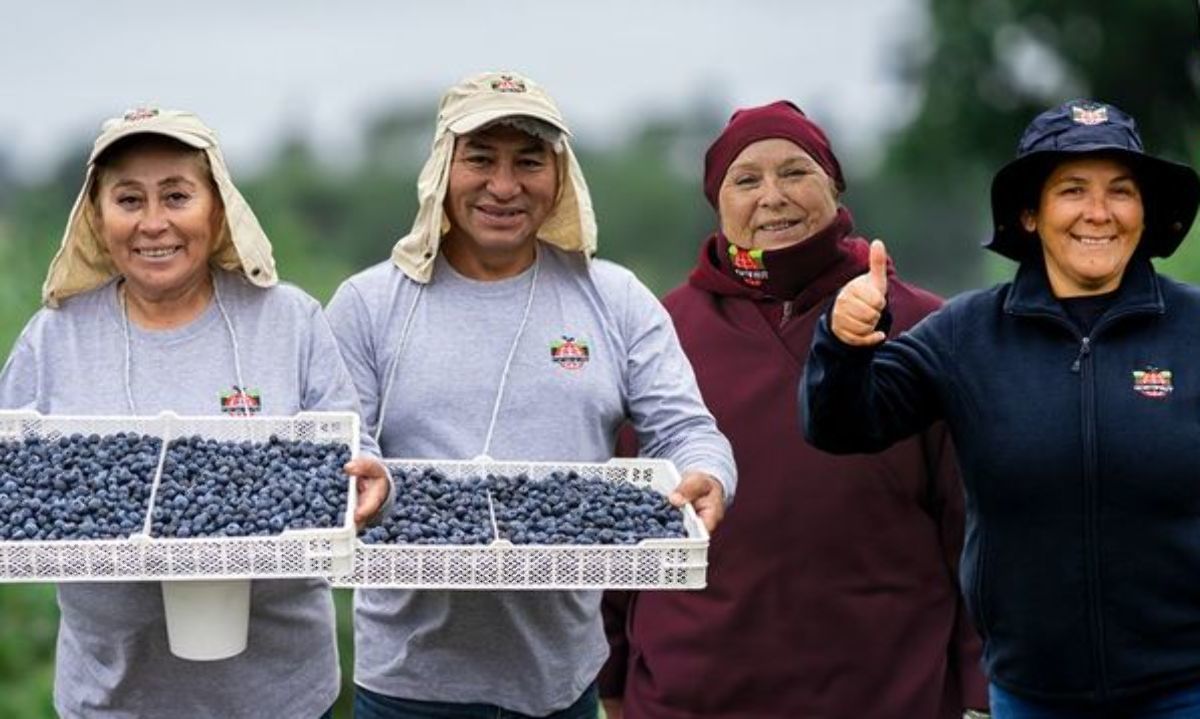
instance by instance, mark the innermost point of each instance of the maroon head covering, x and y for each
(780, 119)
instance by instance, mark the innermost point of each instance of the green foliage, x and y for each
(988, 67)
(981, 73)
(343, 600)
(29, 624)
(1185, 263)
(32, 218)
(650, 209)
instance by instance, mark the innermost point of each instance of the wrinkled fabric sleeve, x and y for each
(330, 387)
(864, 399)
(947, 507)
(856, 399)
(20, 382)
(350, 320)
(664, 403)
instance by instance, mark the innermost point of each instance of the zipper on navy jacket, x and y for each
(1085, 343)
(1085, 347)
(1084, 366)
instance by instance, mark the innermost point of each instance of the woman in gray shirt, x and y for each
(164, 297)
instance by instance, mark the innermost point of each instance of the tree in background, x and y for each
(651, 213)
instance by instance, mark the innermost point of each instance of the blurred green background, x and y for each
(977, 73)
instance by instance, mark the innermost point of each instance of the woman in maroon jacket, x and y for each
(825, 599)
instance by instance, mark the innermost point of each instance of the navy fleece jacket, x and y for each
(1079, 456)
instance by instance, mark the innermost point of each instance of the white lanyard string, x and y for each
(512, 352)
(237, 364)
(391, 375)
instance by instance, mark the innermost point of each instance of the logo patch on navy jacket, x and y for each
(570, 353)
(1153, 382)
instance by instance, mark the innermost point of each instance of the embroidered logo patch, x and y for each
(239, 401)
(1089, 114)
(508, 83)
(141, 113)
(1153, 382)
(748, 265)
(569, 353)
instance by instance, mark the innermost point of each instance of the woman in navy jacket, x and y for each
(1073, 397)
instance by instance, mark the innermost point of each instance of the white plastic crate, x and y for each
(676, 563)
(293, 553)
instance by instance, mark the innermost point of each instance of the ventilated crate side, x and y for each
(293, 554)
(677, 563)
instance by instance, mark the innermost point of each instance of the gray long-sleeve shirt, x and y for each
(532, 652)
(112, 658)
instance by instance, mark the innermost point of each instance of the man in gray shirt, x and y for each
(456, 346)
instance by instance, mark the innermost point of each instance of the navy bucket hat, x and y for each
(1170, 191)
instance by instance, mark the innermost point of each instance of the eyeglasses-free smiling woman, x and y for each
(1072, 395)
(164, 297)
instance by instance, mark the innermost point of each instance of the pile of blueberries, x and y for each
(563, 508)
(431, 509)
(216, 488)
(76, 487)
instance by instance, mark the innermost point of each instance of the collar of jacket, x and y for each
(850, 258)
(1139, 292)
(790, 269)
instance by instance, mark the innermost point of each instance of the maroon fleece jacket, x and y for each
(832, 589)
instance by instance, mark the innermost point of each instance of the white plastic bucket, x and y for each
(207, 620)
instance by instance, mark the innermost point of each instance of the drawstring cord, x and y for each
(391, 373)
(512, 352)
(237, 363)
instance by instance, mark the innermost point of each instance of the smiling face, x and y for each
(775, 195)
(159, 218)
(502, 187)
(1090, 219)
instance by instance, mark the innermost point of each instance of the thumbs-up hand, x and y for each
(859, 304)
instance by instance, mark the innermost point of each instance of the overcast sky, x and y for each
(251, 67)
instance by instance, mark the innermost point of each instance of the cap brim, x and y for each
(1170, 193)
(148, 128)
(475, 120)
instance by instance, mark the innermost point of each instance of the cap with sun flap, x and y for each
(471, 105)
(82, 263)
